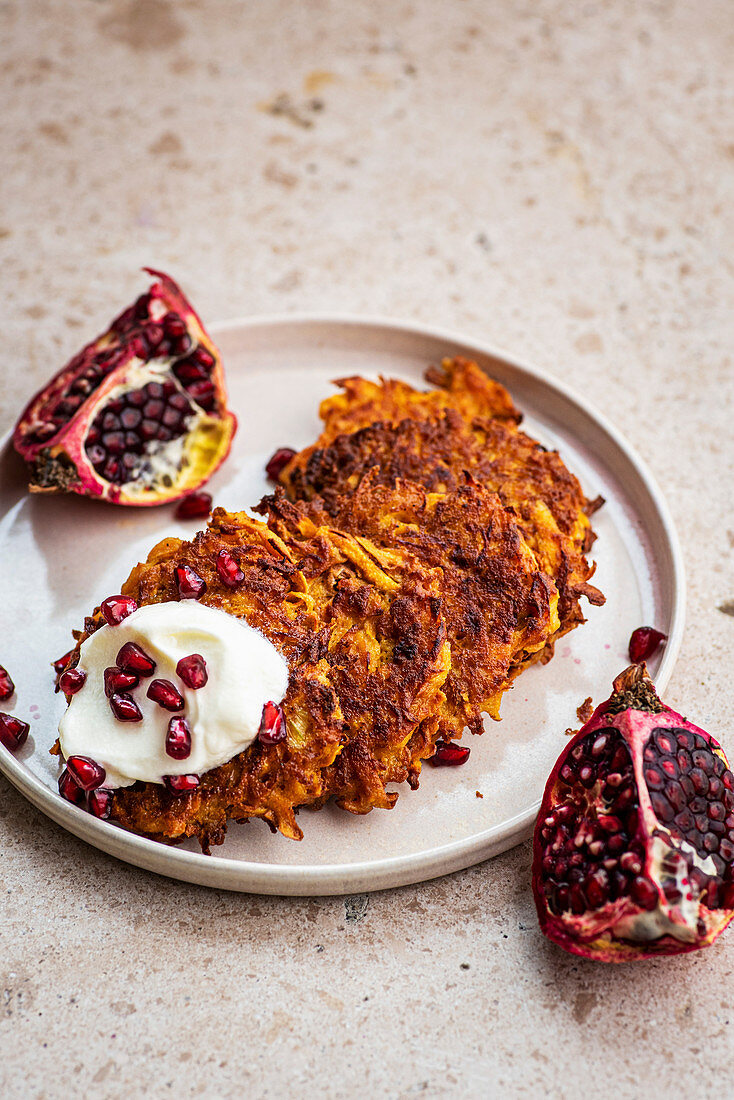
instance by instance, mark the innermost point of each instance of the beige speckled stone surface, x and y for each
(554, 177)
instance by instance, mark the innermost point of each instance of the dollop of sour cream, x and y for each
(245, 671)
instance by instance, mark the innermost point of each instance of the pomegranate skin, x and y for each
(633, 852)
(139, 416)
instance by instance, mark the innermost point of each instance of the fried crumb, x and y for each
(585, 710)
(479, 794)
(570, 732)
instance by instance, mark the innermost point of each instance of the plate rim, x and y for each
(387, 872)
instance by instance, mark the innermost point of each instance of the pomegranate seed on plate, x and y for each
(192, 670)
(7, 687)
(117, 608)
(13, 731)
(165, 694)
(85, 772)
(643, 643)
(62, 662)
(278, 462)
(124, 708)
(448, 755)
(194, 506)
(272, 724)
(134, 659)
(190, 584)
(115, 680)
(99, 802)
(181, 784)
(228, 569)
(178, 739)
(72, 681)
(70, 789)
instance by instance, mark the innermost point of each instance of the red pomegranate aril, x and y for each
(278, 462)
(190, 584)
(187, 371)
(116, 680)
(99, 803)
(70, 789)
(134, 659)
(272, 724)
(192, 670)
(60, 664)
(181, 784)
(72, 681)
(228, 569)
(203, 357)
(124, 708)
(173, 325)
(7, 687)
(178, 739)
(117, 608)
(643, 643)
(194, 506)
(13, 731)
(86, 772)
(448, 755)
(165, 694)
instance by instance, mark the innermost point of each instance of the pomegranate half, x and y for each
(139, 416)
(634, 843)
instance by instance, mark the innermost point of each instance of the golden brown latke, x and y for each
(362, 630)
(437, 450)
(498, 605)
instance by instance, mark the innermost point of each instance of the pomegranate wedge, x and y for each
(634, 844)
(139, 416)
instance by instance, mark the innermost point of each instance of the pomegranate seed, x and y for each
(117, 608)
(165, 694)
(181, 784)
(62, 662)
(124, 708)
(72, 681)
(134, 659)
(178, 739)
(190, 584)
(228, 569)
(85, 772)
(643, 643)
(70, 789)
(278, 462)
(448, 755)
(272, 724)
(7, 687)
(13, 731)
(194, 506)
(115, 680)
(99, 802)
(192, 670)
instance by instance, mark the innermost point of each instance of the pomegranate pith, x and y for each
(192, 671)
(138, 416)
(13, 731)
(7, 687)
(634, 844)
(272, 724)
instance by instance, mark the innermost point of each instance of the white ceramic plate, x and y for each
(62, 555)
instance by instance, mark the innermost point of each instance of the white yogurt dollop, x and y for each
(245, 672)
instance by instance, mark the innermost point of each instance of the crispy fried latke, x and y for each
(437, 450)
(362, 630)
(498, 605)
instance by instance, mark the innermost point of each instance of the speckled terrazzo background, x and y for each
(555, 178)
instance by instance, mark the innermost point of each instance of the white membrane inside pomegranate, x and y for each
(124, 718)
